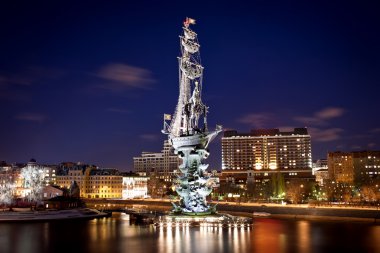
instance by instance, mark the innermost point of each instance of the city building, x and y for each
(4, 166)
(341, 167)
(319, 164)
(354, 167)
(320, 170)
(134, 186)
(23, 177)
(49, 192)
(164, 165)
(93, 182)
(49, 172)
(321, 176)
(260, 153)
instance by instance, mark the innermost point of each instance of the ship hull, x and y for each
(199, 140)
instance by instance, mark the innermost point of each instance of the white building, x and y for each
(135, 187)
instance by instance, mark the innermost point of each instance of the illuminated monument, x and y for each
(187, 134)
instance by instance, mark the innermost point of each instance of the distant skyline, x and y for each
(90, 82)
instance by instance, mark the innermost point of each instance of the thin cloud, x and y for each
(325, 135)
(123, 76)
(257, 120)
(10, 80)
(149, 137)
(32, 117)
(316, 124)
(375, 130)
(30, 75)
(310, 120)
(359, 136)
(330, 113)
(321, 117)
(371, 145)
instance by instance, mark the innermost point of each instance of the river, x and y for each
(118, 234)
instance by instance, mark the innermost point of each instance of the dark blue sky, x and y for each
(90, 81)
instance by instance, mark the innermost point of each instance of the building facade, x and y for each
(49, 192)
(135, 186)
(353, 167)
(93, 182)
(340, 167)
(263, 152)
(164, 165)
(321, 176)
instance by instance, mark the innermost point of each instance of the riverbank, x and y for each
(307, 217)
(247, 209)
(51, 215)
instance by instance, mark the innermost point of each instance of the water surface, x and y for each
(117, 234)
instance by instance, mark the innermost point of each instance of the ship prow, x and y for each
(199, 140)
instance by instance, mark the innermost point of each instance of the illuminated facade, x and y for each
(135, 187)
(321, 176)
(263, 152)
(341, 167)
(94, 183)
(164, 164)
(353, 167)
(266, 150)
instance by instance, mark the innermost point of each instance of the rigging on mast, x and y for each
(190, 107)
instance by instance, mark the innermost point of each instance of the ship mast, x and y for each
(189, 108)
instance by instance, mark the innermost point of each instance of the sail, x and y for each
(189, 34)
(178, 122)
(189, 45)
(191, 70)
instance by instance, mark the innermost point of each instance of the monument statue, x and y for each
(188, 136)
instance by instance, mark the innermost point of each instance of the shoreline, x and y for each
(309, 217)
(247, 210)
(51, 215)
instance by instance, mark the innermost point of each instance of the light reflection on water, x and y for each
(202, 239)
(303, 235)
(117, 234)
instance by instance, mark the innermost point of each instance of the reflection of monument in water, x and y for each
(188, 136)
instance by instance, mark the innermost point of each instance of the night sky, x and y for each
(91, 81)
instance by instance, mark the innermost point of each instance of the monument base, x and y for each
(211, 220)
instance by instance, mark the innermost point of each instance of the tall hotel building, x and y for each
(262, 152)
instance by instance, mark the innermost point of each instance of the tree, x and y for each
(368, 193)
(155, 186)
(6, 190)
(329, 190)
(34, 181)
(278, 185)
(250, 190)
(262, 191)
(294, 191)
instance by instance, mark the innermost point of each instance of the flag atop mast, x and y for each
(189, 21)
